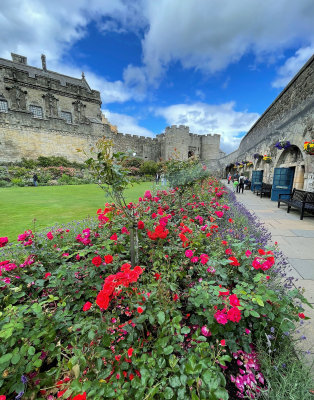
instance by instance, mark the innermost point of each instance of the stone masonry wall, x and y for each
(289, 117)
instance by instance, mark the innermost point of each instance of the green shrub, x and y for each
(149, 168)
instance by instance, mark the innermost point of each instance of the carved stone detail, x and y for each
(17, 97)
(79, 112)
(51, 104)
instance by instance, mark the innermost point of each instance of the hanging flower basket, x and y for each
(283, 144)
(258, 156)
(249, 164)
(241, 166)
(309, 147)
(267, 159)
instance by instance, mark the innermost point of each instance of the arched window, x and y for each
(36, 111)
(3, 105)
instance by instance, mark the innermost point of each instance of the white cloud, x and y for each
(208, 36)
(202, 34)
(127, 124)
(292, 66)
(205, 118)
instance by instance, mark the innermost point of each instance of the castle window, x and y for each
(3, 105)
(36, 111)
(67, 116)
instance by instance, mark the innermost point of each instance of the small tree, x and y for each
(183, 174)
(111, 176)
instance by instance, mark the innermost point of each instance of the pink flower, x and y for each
(47, 275)
(194, 259)
(130, 352)
(228, 251)
(219, 214)
(223, 342)
(221, 317)
(139, 310)
(247, 331)
(189, 253)
(78, 257)
(205, 331)
(301, 315)
(248, 253)
(50, 235)
(65, 254)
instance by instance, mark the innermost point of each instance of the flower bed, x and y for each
(78, 321)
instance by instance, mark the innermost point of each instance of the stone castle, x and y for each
(44, 113)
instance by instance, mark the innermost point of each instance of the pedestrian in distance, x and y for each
(241, 183)
(235, 185)
(157, 178)
(229, 178)
(35, 180)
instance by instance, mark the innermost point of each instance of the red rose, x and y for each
(139, 310)
(87, 306)
(301, 315)
(234, 301)
(234, 314)
(3, 242)
(130, 352)
(234, 261)
(97, 261)
(45, 277)
(140, 225)
(114, 237)
(80, 396)
(108, 259)
(223, 342)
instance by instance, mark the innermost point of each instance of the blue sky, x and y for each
(157, 63)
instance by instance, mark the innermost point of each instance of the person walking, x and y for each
(35, 180)
(236, 176)
(241, 183)
(235, 185)
(229, 178)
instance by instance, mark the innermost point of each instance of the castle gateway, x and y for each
(44, 113)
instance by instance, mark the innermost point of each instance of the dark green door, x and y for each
(282, 182)
(257, 179)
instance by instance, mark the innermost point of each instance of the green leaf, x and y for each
(38, 363)
(173, 361)
(168, 350)
(161, 317)
(5, 358)
(31, 350)
(174, 381)
(168, 393)
(185, 329)
(254, 314)
(15, 359)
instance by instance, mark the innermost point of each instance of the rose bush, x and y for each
(77, 321)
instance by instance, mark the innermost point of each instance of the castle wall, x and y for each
(289, 117)
(24, 135)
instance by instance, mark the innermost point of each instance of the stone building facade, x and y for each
(290, 117)
(44, 113)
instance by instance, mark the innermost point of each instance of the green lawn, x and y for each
(52, 205)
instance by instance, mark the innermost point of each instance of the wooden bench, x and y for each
(264, 190)
(299, 199)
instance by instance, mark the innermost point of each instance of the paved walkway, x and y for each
(296, 240)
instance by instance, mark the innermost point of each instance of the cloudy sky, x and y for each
(212, 65)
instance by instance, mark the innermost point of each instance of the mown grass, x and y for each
(51, 205)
